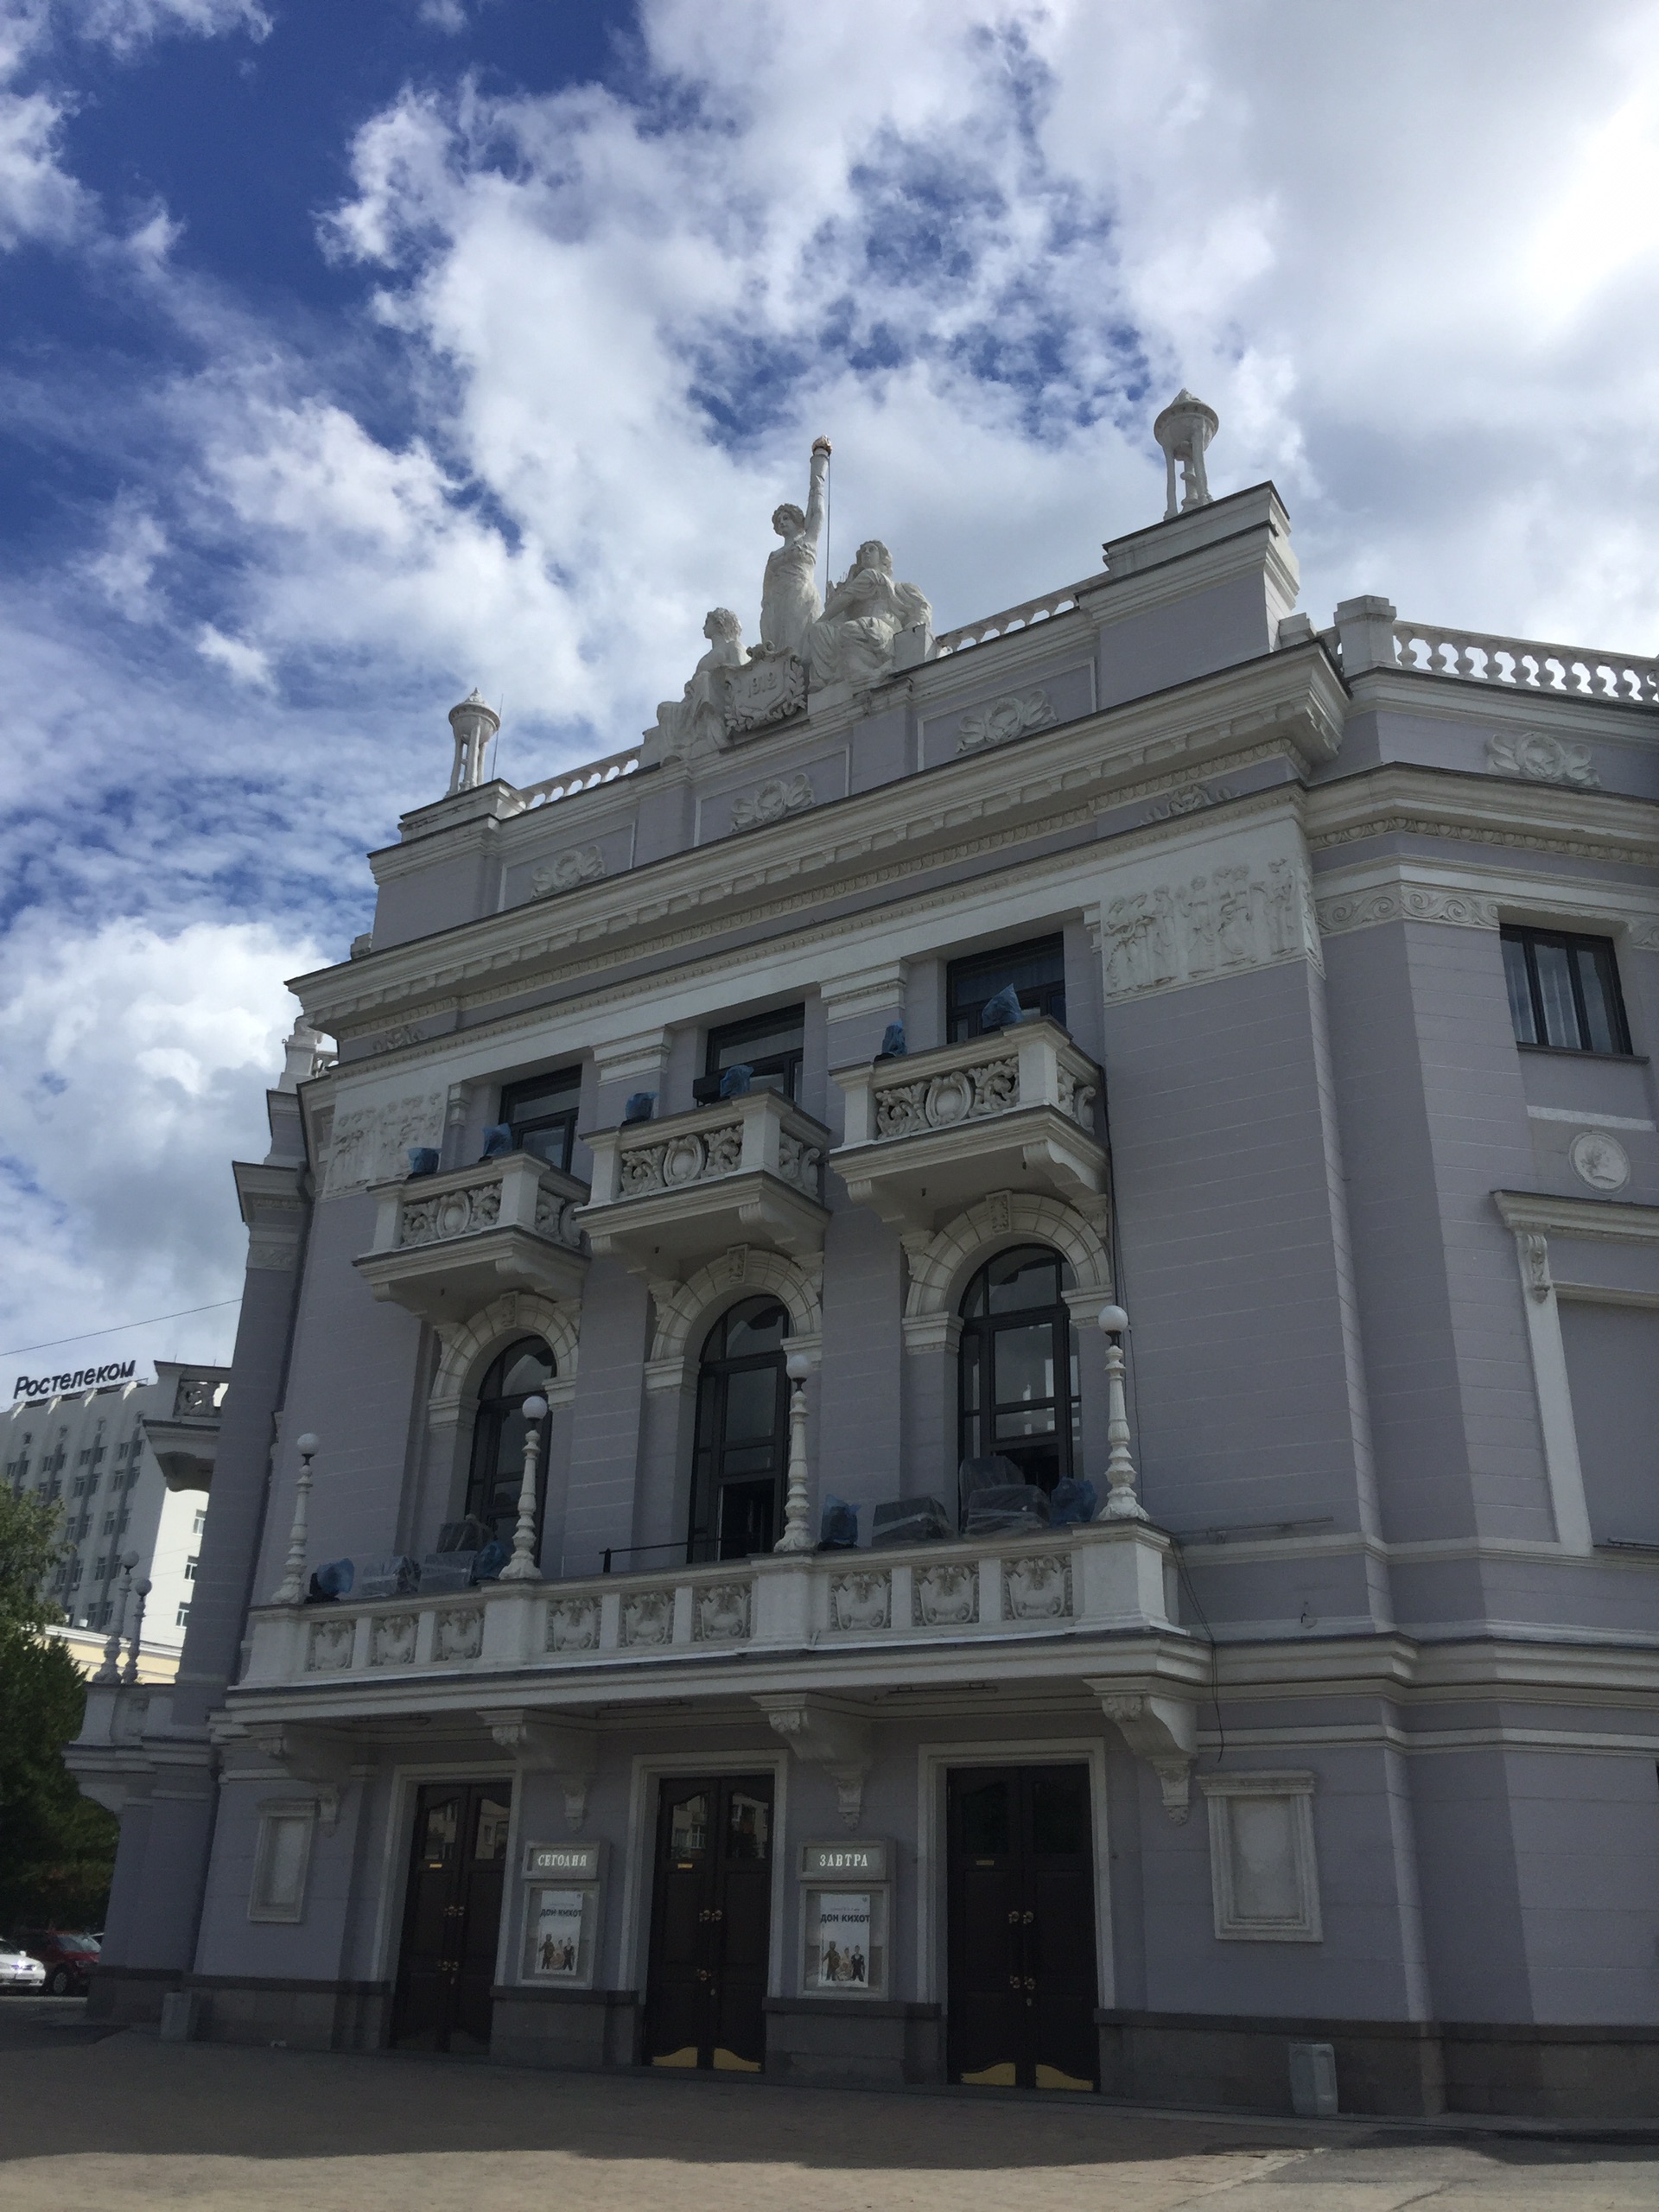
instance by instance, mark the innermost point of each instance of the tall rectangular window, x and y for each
(1035, 971)
(542, 1114)
(1564, 991)
(770, 1046)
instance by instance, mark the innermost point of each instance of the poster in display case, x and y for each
(560, 1917)
(845, 1896)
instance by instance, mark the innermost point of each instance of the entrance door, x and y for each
(452, 1917)
(1022, 1929)
(710, 1924)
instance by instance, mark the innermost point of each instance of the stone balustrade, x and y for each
(933, 1131)
(1526, 664)
(587, 778)
(1080, 1583)
(1012, 618)
(501, 1222)
(746, 1169)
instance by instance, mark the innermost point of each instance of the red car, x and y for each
(68, 1960)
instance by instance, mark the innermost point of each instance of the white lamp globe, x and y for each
(535, 1409)
(1113, 1320)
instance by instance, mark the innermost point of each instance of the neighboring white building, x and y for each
(129, 1464)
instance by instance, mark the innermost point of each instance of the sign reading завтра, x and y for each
(82, 1378)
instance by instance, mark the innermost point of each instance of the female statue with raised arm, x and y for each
(789, 597)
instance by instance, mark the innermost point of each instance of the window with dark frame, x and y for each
(742, 1441)
(1036, 970)
(1019, 1367)
(770, 1044)
(542, 1114)
(523, 1369)
(1564, 992)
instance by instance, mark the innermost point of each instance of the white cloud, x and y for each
(124, 569)
(133, 1067)
(38, 198)
(245, 662)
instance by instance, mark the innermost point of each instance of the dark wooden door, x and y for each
(1021, 1882)
(452, 1916)
(711, 1924)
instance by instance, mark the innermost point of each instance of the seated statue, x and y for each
(697, 721)
(852, 639)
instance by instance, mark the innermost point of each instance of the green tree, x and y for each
(57, 1848)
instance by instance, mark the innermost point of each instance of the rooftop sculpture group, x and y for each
(804, 642)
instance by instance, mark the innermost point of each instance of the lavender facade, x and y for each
(674, 1175)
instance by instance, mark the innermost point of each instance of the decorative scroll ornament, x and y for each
(720, 1612)
(860, 1600)
(1191, 798)
(945, 1596)
(905, 1110)
(780, 795)
(1011, 717)
(693, 1156)
(392, 1643)
(580, 864)
(1542, 759)
(330, 1646)
(572, 1624)
(1038, 1589)
(648, 1618)
(1360, 910)
(453, 1213)
(1599, 1161)
(459, 1634)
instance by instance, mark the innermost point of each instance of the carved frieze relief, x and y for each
(1201, 927)
(451, 1213)
(861, 1600)
(1037, 1589)
(1541, 759)
(1404, 902)
(1013, 716)
(648, 1618)
(777, 797)
(329, 1646)
(459, 1633)
(945, 1596)
(572, 1624)
(392, 1643)
(720, 1612)
(577, 865)
(372, 1143)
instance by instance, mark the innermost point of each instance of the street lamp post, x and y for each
(522, 1566)
(291, 1589)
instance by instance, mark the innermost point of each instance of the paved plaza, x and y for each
(126, 2123)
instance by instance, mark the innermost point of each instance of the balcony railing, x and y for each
(1104, 1578)
(743, 1169)
(932, 1132)
(444, 1244)
(1526, 664)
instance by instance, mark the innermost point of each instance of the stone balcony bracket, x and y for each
(566, 1749)
(1160, 1729)
(446, 1245)
(827, 1733)
(669, 1194)
(928, 1135)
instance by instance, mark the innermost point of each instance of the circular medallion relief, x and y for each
(1599, 1160)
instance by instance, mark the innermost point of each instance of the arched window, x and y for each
(499, 1439)
(742, 1439)
(1019, 1366)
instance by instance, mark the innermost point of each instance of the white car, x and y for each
(18, 1970)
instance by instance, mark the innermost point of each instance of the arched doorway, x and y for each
(498, 1468)
(741, 1447)
(1018, 1366)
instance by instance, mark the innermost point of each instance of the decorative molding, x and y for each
(392, 1640)
(1201, 928)
(720, 1611)
(451, 1213)
(577, 865)
(328, 1646)
(740, 1271)
(1013, 716)
(457, 1632)
(861, 1599)
(468, 1345)
(777, 797)
(1038, 1588)
(537, 1744)
(1599, 1160)
(1541, 759)
(1191, 798)
(940, 1264)
(945, 1596)
(572, 1624)
(1363, 910)
(647, 1618)
(768, 687)
(1263, 1870)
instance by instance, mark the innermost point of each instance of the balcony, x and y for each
(445, 1245)
(931, 1134)
(743, 1171)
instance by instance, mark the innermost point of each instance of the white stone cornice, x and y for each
(1472, 808)
(1425, 694)
(1291, 703)
(1471, 895)
(1612, 1219)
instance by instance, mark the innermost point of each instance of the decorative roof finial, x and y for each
(474, 724)
(1184, 429)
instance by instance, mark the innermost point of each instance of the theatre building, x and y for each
(967, 1352)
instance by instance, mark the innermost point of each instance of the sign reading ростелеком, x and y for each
(82, 1378)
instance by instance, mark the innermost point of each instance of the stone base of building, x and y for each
(854, 2043)
(1416, 2068)
(580, 2028)
(130, 1997)
(295, 2015)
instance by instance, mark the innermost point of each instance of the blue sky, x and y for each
(354, 354)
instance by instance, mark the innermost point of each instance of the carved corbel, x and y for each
(539, 1745)
(1162, 1731)
(835, 1737)
(320, 1757)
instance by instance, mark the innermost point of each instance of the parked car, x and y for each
(18, 1970)
(65, 1960)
